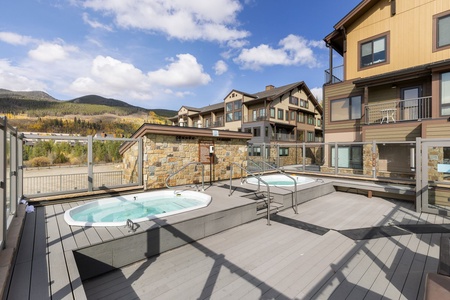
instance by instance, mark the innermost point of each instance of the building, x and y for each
(394, 83)
(286, 114)
(392, 90)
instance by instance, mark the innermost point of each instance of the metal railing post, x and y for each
(90, 164)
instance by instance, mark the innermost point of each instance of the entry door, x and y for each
(434, 178)
(410, 104)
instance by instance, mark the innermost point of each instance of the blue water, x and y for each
(122, 211)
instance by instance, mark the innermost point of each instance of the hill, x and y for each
(37, 111)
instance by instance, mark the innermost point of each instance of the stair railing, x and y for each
(283, 173)
(184, 167)
(259, 180)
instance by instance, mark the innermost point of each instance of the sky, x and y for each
(165, 53)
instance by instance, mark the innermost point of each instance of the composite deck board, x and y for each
(40, 274)
(21, 277)
(251, 261)
(59, 279)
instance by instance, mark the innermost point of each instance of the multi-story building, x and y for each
(394, 83)
(285, 114)
(393, 86)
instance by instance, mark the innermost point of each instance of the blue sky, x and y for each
(164, 53)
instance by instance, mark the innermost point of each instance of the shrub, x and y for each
(40, 161)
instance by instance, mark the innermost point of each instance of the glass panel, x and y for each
(8, 173)
(340, 110)
(445, 93)
(356, 107)
(439, 179)
(366, 54)
(379, 50)
(444, 31)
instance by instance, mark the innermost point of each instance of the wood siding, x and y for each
(410, 28)
(395, 132)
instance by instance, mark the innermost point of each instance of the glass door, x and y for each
(410, 103)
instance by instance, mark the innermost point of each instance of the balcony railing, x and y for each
(334, 75)
(255, 118)
(283, 137)
(400, 110)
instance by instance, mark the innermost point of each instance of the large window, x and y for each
(280, 114)
(346, 109)
(373, 52)
(442, 30)
(445, 94)
(272, 112)
(293, 100)
(233, 110)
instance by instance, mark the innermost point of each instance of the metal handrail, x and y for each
(283, 173)
(259, 180)
(184, 167)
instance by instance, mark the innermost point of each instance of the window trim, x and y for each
(387, 41)
(435, 31)
(349, 108)
(441, 105)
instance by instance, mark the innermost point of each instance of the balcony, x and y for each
(334, 75)
(283, 137)
(396, 111)
(255, 118)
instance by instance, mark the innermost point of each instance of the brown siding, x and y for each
(396, 132)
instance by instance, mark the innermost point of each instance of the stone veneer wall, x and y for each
(165, 154)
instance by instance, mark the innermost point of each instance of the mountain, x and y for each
(94, 99)
(35, 95)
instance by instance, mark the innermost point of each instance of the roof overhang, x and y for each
(184, 131)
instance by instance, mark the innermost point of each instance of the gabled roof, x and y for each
(240, 92)
(190, 108)
(336, 38)
(212, 107)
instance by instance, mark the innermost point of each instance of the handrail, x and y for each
(259, 180)
(283, 173)
(184, 167)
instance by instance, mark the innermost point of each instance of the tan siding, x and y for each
(438, 130)
(411, 27)
(387, 133)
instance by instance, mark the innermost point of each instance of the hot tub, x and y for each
(116, 211)
(281, 180)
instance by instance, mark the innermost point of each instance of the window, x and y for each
(310, 137)
(301, 117)
(256, 131)
(272, 112)
(442, 28)
(346, 109)
(293, 115)
(293, 100)
(280, 114)
(300, 135)
(207, 123)
(254, 115)
(445, 94)
(373, 52)
(266, 131)
(262, 113)
(348, 157)
(287, 115)
(233, 110)
(311, 119)
(283, 151)
(254, 151)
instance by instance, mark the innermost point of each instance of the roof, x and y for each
(336, 38)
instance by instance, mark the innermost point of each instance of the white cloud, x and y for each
(15, 39)
(317, 92)
(48, 52)
(17, 78)
(186, 20)
(220, 67)
(293, 50)
(185, 71)
(95, 24)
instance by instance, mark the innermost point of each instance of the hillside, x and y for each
(39, 112)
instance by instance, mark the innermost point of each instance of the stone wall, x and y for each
(166, 154)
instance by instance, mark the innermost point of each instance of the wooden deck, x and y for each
(251, 261)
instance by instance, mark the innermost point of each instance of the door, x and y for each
(410, 103)
(434, 180)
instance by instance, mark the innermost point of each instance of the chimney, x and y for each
(269, 87)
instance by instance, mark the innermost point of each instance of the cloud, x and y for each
(185, 71)
(293, 51)
(185, 20)
(220, 67)
(95, 24)
(17, 78)
(317, 92)
(48, 52)
(15, 39)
